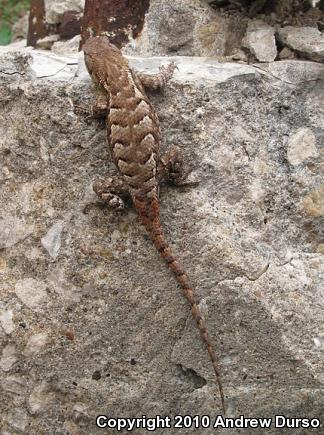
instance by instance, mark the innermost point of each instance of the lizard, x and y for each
(134, 138)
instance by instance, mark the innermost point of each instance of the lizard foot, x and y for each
(173, 169)
(110, 190)
(96, 110)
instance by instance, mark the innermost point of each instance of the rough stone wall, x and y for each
(91, 320)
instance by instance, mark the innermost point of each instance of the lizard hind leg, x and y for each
(173, 169)
(112, 191)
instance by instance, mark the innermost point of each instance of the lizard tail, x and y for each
(149, 214)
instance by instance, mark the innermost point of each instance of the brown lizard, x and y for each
(134, 138)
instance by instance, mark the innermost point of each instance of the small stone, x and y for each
(69, 47)
(238, 55)
(31, 292)
(47, 42)
(260, 40)
(286, 53)
(35, 343)
(52, 240)
(8, 357)
(301, 146)
(96, 375)
(7, 323)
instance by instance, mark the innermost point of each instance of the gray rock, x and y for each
(66, 48)
(55, 9)
(260, 40)
(249, 234)
(181, 27)
(306, 41)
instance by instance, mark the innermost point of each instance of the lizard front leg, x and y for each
(112, 191)
(96, 110)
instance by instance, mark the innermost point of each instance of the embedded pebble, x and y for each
(6, 321)
(35, 343)
(13, 230)
(18, 419)
(8, 357)
(31, 292)
(14, 384)
(40, 398)
(301, 146)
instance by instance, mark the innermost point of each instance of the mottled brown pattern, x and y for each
(134, 138)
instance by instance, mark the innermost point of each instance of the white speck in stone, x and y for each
(115, 236)
(317, 342)
(41, 398)
(6, 321)
(52, 240)
(35, 343)
(8, 357)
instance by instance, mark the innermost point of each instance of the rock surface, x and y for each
(91, 320)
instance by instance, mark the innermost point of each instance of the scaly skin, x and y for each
(133, 134)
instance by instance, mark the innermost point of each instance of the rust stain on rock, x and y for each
(118, 19)
(37, 28)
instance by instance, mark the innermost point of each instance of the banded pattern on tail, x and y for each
(149, 213)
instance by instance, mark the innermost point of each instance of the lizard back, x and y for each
(133, 127)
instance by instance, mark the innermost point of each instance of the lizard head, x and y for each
(103, 60)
